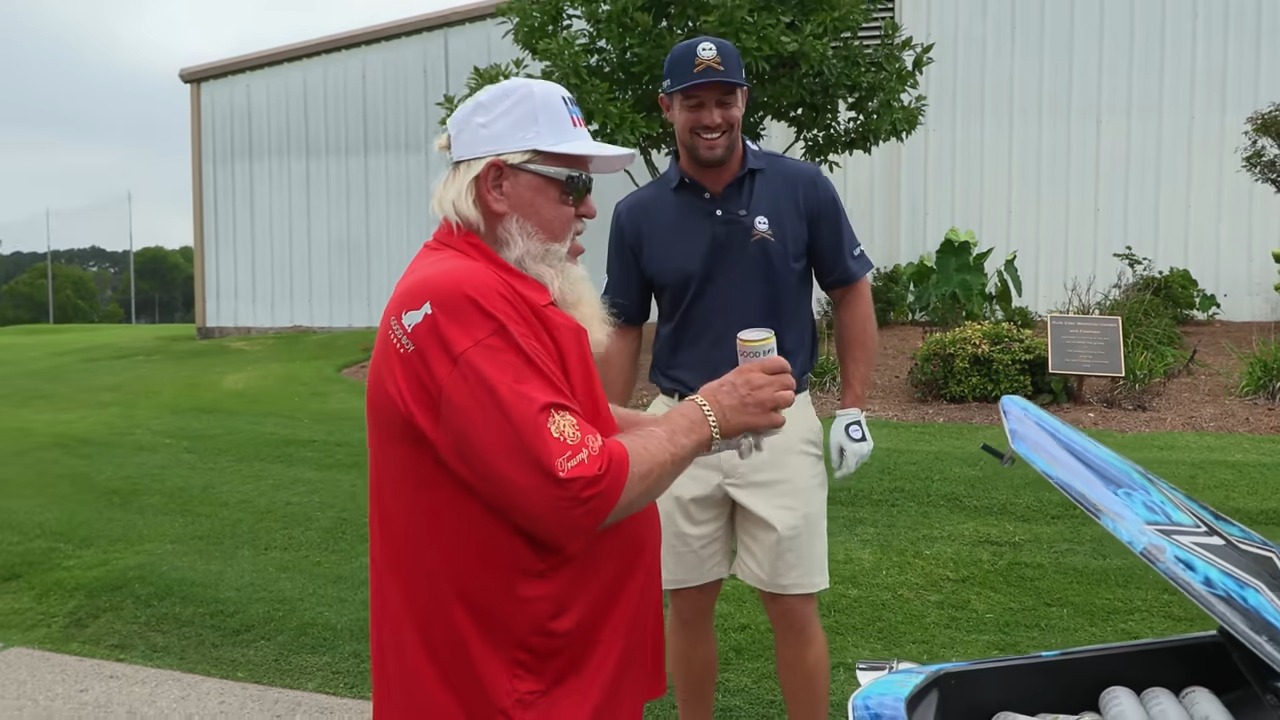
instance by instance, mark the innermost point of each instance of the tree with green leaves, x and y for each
(166, 285)
(843, 79)
(165, 277)
(25, 299)
(1260, 156)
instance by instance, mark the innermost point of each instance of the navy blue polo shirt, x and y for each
(718, 265)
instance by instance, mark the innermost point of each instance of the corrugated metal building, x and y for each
(1062, 130)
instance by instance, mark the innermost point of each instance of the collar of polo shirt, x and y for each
(750, 156)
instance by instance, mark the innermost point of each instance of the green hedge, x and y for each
(981, 361)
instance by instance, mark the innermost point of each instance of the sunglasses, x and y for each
(577, 185)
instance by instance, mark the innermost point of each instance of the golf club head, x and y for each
(868, 670)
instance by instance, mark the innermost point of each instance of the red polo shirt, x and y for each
(494, 592)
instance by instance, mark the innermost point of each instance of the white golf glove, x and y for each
(743, 445)
(849, 442)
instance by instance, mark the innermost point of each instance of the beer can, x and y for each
(1161, 704)
(1120, 703)
(756, 344)
(1202, 704)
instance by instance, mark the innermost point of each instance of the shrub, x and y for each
(981, 361)
(1259, 376)
(825, 376)
(1176, 288)
(1154, 350)
(1275, 258)
(1151, 305)
(890, 291)
(953, 287)
(1021, 316)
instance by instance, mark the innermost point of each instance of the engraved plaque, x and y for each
(1086, 345)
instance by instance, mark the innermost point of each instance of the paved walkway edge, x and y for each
(38, 684)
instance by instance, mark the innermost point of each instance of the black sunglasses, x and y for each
(577, 184)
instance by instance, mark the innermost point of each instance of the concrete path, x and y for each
(37, 684)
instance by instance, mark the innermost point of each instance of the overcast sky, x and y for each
(91, 107)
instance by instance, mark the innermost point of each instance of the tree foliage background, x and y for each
(1260, 155)
(91, 285)
(804, 59)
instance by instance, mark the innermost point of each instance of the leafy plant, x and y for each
(1259, 375)
(953, 286)
(1260, 155)
(890, 293)
(1151, 305)
(981, 361)
(825, 376)
(1154, 351)
(1021, 316)
(1176, 288)
(809, 71)
(1275, 258)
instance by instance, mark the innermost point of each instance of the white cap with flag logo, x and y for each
(520, 114)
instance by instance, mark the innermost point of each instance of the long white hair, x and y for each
(455, 196)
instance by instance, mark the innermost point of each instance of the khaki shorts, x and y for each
(773, 506)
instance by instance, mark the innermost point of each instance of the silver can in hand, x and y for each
(754, 345)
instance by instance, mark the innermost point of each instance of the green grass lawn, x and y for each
(201, 506)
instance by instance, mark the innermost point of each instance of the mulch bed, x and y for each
(1198, 399)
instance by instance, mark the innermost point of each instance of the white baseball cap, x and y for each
(520, 114)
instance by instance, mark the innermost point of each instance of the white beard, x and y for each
(568, 282)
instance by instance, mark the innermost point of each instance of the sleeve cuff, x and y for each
(596, 510)
(852, 273)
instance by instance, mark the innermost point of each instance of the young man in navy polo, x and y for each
(732, 237)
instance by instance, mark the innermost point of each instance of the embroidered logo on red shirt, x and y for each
(564, 427)
(401, 326)
(573, 459)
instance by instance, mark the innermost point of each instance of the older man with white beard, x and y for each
(514, 544)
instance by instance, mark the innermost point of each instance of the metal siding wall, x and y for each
(1062, 130)
(1068, 130)
(318, 174)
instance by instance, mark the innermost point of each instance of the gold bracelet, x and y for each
(711, 418)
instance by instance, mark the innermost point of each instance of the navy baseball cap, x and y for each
(700, 60)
